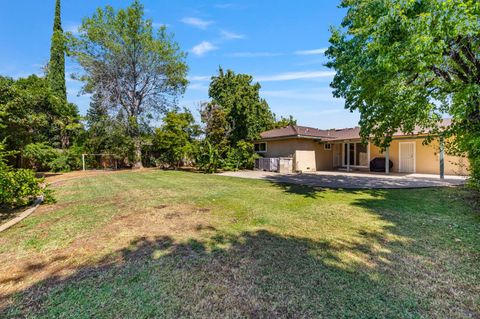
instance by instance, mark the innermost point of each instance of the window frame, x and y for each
(329, 146)
(259, 148)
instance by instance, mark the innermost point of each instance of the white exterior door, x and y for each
(406, 157)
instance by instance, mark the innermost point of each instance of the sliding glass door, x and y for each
(359, 155)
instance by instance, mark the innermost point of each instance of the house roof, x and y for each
(295, 131)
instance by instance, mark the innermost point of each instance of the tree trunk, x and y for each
(137, 164)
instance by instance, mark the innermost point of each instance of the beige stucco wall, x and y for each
(427, 158)
(308, 154)
(324, 158)
(311, 155)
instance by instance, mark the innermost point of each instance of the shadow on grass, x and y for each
(295, 185)
(255, 274)
(260, 274)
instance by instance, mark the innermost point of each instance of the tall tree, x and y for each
(407, 63)
(56, 67)
(247, 114)
(138, 72)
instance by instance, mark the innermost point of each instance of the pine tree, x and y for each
(56, 67)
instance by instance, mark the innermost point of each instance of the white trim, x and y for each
(400, 170)
(344, 164)
(325, 146)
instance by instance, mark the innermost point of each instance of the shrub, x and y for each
(67, 160)
(17, 187)
(241, 157)
(43, 157)
(39, 156)
(208, 157)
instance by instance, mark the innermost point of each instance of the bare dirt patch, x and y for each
(174, 221)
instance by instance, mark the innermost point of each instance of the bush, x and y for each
(43, 157)
(208, 157)
(211, 158)
(67, 160)
(17, 187)
(241, 157)
(39, 156)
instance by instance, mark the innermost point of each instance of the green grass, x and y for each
(176, 244)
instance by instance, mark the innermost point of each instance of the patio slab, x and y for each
(353, 180)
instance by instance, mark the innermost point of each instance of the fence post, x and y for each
(387, 160)
(442, 158)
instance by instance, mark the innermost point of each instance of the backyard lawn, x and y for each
(178, 244)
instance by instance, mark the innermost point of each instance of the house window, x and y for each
(327, 147)
(261, 147)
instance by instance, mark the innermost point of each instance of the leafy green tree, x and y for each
(406, 63)
(174, 140)
(246, 113)
(137, 72)
(30, 112)
(56, 67)
(233, 119)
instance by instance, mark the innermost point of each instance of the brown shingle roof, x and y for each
(326, 135)
(294, 131)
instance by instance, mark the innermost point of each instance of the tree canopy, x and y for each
(30, 112)
(174, 140)
(409, 63)
(137, 71)
(246, 113)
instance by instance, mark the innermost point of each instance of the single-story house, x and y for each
(312, 149)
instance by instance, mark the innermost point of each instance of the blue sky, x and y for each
(279, 42)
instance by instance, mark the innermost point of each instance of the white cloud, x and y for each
(253, 54)
(199, 78)
(202, 48)
(295, 76)
(196, 22)
(311, 52)
(231, 35)
(73, 28)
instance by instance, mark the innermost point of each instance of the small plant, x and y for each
(208, 157)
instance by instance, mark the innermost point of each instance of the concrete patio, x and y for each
(353, 180)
